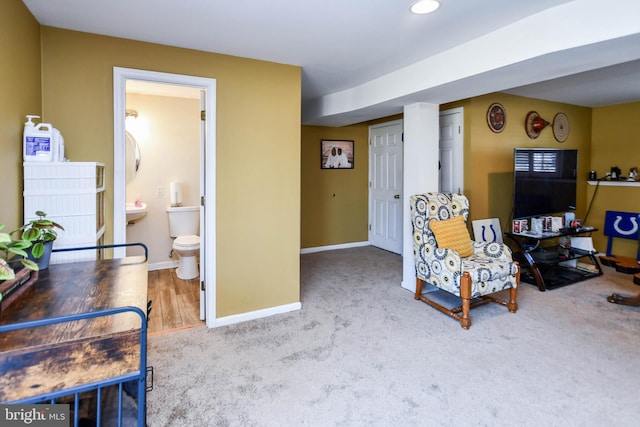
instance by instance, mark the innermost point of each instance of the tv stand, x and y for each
(542, 258)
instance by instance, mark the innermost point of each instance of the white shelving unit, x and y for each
(71, 194)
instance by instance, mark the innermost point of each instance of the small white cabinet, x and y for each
(71, 194)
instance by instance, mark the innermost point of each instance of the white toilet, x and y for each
(184, 225)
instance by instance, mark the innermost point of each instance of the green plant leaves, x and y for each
(31, 265)
(41, 229)
(37, 250)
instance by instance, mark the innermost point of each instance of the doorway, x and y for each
(206, 190)
(451, 173)
(385, 186)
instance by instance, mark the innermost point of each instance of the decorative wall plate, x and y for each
(533, 124)
(561, 127)
(496, 118)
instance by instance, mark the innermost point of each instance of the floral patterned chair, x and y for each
(448, 259)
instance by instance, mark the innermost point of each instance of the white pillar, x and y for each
(421, 156)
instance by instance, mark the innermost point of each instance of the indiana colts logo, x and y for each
(484, 238)
(632, 231)
(622, 224)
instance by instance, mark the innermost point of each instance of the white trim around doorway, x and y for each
(120, 77)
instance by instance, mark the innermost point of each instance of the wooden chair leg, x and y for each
(418, 288)
(465, 295)
(513, 293)
(513, 305)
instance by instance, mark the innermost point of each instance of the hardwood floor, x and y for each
(175, 302)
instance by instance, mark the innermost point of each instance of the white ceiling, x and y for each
(343, 45)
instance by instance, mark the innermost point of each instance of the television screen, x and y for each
(544, 181)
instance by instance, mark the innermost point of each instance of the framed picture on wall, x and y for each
(336, 154)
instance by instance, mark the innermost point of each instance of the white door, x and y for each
(385, 186)
(451, 152)
(203, 207)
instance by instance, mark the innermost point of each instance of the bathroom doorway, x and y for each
(173, 139)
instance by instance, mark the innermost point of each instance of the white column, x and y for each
(421, 155)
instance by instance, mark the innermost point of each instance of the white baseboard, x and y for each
(163, 265)
(333, 247)
(258, 314)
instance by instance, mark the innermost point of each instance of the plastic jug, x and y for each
(58, 146)
(37, 141)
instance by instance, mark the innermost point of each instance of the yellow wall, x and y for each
(20, 90)
(604, 137)
(615, 142)
(258, 150)
(327, 220)
(488, 156)
(334, 203)
(488, 164)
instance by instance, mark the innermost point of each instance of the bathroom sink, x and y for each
(135, 213)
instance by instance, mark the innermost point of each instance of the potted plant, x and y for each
(13, 251)
(41, 233)
(15, 268)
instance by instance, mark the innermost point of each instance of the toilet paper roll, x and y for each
(175, 191)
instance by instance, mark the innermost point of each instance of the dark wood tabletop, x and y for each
(60, 356)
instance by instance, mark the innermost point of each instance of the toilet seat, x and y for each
(187, 242)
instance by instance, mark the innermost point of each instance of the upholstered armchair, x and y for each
(447, 258)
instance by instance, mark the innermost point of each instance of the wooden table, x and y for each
(64, 356)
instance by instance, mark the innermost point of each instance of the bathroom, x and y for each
(164, 121)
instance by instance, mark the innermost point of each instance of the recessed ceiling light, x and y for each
(423, 7)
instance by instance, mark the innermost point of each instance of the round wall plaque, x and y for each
(533, 124)
(496, 118)
(561, 127)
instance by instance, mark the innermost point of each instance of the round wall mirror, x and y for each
(132, 156)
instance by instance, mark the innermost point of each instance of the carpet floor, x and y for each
(363, 352)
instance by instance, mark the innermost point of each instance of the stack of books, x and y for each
(585, 266)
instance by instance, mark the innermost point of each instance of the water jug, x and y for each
(37, 141)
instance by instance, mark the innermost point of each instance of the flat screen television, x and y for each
(544, 181)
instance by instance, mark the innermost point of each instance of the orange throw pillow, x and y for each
(453, 234)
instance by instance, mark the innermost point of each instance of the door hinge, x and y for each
(203, 115)
(202, 200)
(369, 227)
(202, 286)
